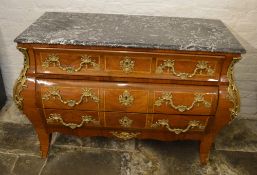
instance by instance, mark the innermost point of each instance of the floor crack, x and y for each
(43, 166)
(15, 161)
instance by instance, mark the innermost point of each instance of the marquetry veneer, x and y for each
(127, 93)
(128, 76)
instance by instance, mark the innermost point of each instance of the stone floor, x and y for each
(235, 153)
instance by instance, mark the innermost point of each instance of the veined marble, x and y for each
(131, 31)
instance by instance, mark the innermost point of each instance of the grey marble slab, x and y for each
(131, 31)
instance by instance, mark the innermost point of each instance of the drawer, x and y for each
(75, 119)
(72, 119)
(64, 94)
(74, 62)
(188, 67)
(129, 64)
(178, 124)
(193, 100)
(127, 97)
(89, 95)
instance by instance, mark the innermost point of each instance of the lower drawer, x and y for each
(74, 119)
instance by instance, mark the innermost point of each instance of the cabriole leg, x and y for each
(33, 114)
(205, 148)
(44, 140)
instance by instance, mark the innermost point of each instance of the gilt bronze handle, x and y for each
(85, 120)
(191, 124)
(54, 60)
(168, 99)
(54, 92)
(201, 66)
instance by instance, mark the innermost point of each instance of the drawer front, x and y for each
(127, 97)
(88, 95)
(129, 64)
(67, 62)
(178, 99)
(178, 124)
(170, 99)
(72, 119)
(188, 67)
(68, 95)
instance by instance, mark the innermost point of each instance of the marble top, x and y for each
(131, 31)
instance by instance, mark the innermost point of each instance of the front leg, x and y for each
(26, 100)
(223, 116)
(45, 140)
(33, 114)
(205, 148)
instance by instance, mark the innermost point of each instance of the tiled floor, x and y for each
(235, 153)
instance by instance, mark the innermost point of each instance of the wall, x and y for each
(240, 16)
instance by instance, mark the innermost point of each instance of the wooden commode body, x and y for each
(94, 75)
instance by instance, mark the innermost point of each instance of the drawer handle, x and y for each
(191, 124)
(127, 65)
(126, 98)
(54, 60)
(168, 99)
(54, 92)
(201, 66)
(125, 122)
(85, 119)
(125, 135)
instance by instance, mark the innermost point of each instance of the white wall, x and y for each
(239, 15)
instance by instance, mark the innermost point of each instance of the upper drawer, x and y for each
(127, 97)
(67, 62)
(129, 64)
